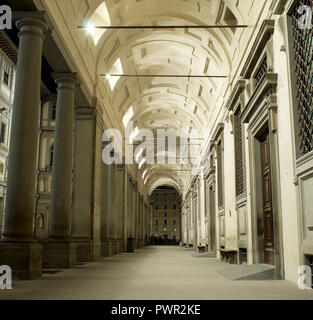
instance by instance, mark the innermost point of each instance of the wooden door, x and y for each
(212, 220)
(269, 253)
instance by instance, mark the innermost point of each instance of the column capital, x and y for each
(30, 22)
(66, 80)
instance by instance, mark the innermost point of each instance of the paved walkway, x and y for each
(151, 273)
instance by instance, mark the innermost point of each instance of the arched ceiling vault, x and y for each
(172, 103)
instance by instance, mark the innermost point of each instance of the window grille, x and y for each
(239, 154)
(6, 73)
(2, 132)
(261, 71)
(220, 175)
(303, 68)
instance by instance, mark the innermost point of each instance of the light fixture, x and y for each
(90, 29)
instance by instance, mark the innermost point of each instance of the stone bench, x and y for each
(229, 256)
(201, 248)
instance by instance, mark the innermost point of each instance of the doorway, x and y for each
(212, 219)
(267, 203)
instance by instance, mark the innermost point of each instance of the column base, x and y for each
(96, 251)
(59, 255)
(84, 250)
(106, 248)
(23, 258)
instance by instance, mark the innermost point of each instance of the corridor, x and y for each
(152, 273)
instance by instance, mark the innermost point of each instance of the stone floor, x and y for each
(162, 273)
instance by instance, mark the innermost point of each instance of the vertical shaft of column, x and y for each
(19, 212)
(61, 192)
(83, 165)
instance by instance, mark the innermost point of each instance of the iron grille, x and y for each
(303, 47)
(239, 154)
(261, 71)
(220, 175)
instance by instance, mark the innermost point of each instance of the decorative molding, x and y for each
(218, 131)
(266, 31)
(237, 91)
(266, 87)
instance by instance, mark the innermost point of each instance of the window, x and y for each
(165, 215)
(174, 222)
(51, 155)
(116, 69)
(6, 74)
(303, 69)
(156, 222)
(220, 175)
(174, 206)
(165, 207)
(53, 112)
(127, 117)
(239, 154)
(2, 132)
(157, 207)
(165, 222)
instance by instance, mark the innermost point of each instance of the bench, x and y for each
(202, 247)
(229, 256)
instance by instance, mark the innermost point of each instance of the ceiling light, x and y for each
(90, 29)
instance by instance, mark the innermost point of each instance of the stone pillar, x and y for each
(121, 206)
(114, 211)
(17, 248)
(105, 212)
(131, 244)
(96, 218)
(60, 251)
(83, 184)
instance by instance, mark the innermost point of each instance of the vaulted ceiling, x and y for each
(171, 103)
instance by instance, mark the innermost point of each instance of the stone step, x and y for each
(246, 272)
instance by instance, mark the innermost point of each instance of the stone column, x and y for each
(96, 215)
(60, 251)
(121, 206)
(105, 213)
(131, 245)
(17, 247)
(83, 184)
(114, 211)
